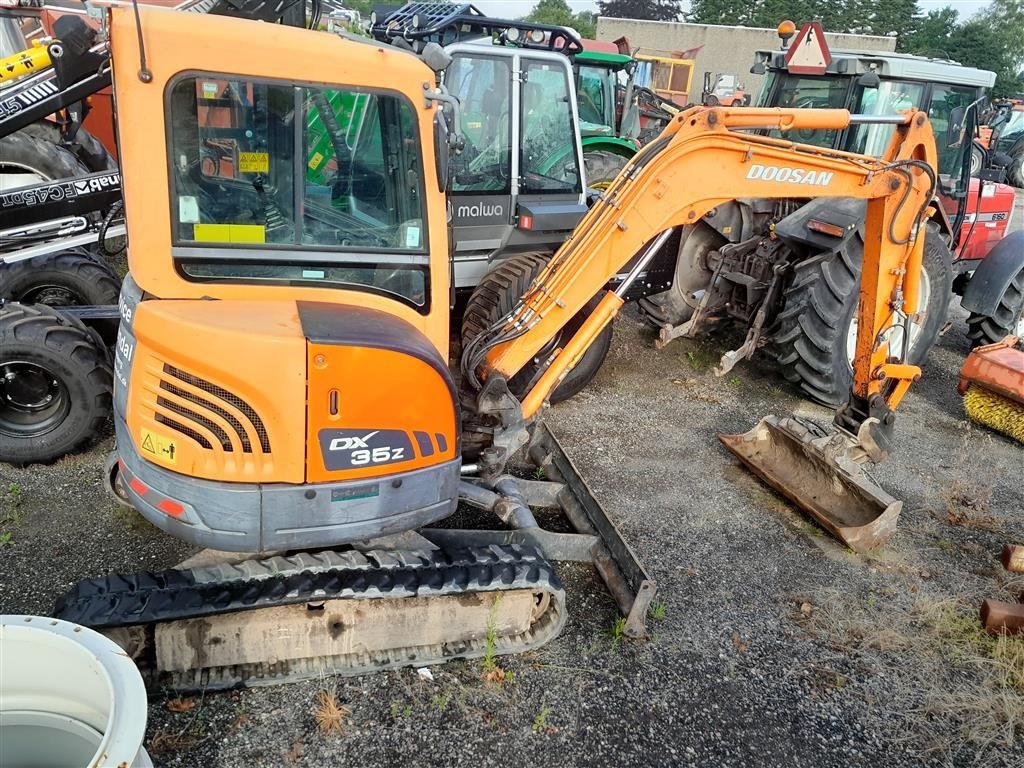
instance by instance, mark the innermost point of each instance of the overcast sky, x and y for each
(515, 8)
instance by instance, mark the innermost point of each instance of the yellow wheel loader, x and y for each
(283, 389)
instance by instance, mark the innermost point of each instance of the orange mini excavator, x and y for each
(283, 387)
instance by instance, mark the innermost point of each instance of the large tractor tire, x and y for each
(27, 159)
(816, 330)
(601, 167)
(496, 296)
(70, 278)
(1015, 171)
(1007, 320)
(977, 159)
(55, 384)
(87, 148)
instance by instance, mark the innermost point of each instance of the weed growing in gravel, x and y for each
(329, 713)
(658, 610)
(492, 673)
(538, 473)
(6, 538)
(540, 722)
(616, 632)
(16, 493)
(736, 382)
(440, 700)
(401, 710)
(968, 501)
(700, 358)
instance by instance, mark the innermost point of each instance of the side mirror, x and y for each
(955, 126)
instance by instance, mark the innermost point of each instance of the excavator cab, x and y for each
(298, 231)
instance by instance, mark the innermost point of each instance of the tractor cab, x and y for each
(518, 185)
(872, 83)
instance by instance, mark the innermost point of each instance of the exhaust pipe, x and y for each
(824, 475)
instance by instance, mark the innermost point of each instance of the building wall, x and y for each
(726, 51)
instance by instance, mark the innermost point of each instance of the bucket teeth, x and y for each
(823, 474)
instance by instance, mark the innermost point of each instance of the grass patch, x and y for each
(540, 721)
(658, 609)
(617, 631)
(961, 689)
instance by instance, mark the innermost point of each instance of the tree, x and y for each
(984, 41)
(559, 13)
(650, 10)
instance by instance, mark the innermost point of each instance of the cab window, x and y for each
(547, 145)
(796, 92)
(483, 86)
(946, 98)
(296, 185)
(890, 98)
(592, 96)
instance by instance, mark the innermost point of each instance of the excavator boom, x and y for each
(701, 161)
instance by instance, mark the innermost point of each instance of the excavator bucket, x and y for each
(815, 471)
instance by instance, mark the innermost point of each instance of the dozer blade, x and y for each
(816, 473)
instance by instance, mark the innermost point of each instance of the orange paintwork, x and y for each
(705, 164)
(254, 350)
(377, 389)
(177, 42)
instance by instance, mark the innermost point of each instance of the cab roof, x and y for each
(902, 66)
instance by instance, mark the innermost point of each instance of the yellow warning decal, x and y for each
(159, 447)
(253, 162)
(315, 160)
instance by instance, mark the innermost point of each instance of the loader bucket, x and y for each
(813, 472)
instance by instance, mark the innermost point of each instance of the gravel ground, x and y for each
(777, 646)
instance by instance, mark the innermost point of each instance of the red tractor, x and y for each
(789, 271)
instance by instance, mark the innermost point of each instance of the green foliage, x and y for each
(989, 41)
(559, 13)
(881, 17)
(650, 10)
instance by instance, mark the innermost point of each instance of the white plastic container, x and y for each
(68, 697)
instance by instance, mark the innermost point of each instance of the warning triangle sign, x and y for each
(809, 54)
(147, 444)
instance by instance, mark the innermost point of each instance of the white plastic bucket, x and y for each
(68, 697)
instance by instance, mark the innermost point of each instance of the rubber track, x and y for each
(149, 598)
(989, 329)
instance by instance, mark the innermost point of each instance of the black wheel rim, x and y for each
(51, 296)
(33, 400)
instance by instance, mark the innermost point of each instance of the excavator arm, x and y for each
(700, 161)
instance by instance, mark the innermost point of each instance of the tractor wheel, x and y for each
(26, 159)
(496, 295)
(1015, 171)
(601, 167)
(55, 384)
(977, 159)
(817, 328)
(70, 278)
(86, 147)
(1007, 320)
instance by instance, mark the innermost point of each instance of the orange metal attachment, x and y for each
(997, 367)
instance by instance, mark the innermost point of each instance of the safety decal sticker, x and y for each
(160, 447)
(253, 162)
